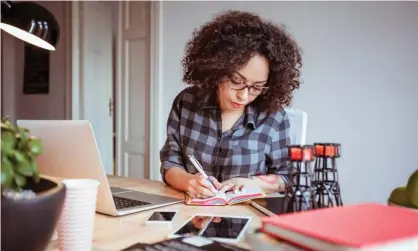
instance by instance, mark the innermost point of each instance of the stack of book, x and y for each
(366, 227)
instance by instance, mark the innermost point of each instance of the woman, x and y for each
(242, 71)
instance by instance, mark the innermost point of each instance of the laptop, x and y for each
(69, 150)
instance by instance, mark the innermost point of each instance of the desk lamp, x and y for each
(31, 23)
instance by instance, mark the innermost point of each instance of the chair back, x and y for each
(298, 123)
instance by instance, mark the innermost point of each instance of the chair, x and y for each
(298, 123)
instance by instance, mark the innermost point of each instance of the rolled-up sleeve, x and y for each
(170, 153)
(278, 153)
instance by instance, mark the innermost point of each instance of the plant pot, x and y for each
(28, 224)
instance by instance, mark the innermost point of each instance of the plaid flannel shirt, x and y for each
(255, 145)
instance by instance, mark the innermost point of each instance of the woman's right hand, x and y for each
(199, 187)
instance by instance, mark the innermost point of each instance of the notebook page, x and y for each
(248, 193)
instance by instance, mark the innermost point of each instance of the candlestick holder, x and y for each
(299, 192)
(326, 187)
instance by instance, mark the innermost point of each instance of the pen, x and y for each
(199, 168)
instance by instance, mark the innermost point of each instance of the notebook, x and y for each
(368, 226)
(229, 197)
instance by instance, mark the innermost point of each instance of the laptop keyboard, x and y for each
(122, 203)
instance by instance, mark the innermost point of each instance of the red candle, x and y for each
(330, 150)
(319, 149)
(295, 153)
(308, 153)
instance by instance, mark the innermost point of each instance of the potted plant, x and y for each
(406, 196)
(31, 203)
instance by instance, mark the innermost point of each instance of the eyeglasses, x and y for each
(238, 84)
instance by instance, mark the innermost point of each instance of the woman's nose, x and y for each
(243, 94)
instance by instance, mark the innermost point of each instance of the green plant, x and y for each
(406, 196)
(18, 152)
(412, 189)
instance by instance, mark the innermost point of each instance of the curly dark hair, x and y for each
(226, 43)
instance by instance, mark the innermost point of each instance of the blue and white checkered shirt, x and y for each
(255, 145)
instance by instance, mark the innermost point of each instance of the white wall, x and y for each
(35, 106)
(360, 80)
(360, 72)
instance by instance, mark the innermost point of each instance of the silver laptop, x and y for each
(69, 150)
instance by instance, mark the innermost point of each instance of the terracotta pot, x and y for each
(29, 224)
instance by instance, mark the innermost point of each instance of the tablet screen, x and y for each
(272, 205)
(194, 226)
(225, 227)
(229, 228)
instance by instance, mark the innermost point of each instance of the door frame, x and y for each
(74, 85)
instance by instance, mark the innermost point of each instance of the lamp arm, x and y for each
(5, 6)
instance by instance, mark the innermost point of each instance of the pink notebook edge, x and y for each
(208, 200)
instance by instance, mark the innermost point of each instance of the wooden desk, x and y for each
(116, 233)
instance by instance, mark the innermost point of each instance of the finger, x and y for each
(215, 182)
(191, 188)
(204, 192)
(238, 188)
(206, 184)
(193, 192)
(196, 219)
(217, 220)
(201, 222)
(206, 221)
(197, 189)
(226, 187)
(189, 200)
(242, 188)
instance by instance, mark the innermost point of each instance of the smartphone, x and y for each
(161, 217)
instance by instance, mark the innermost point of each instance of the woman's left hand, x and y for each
(231, 185)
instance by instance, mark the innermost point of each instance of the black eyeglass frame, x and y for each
(250, 87)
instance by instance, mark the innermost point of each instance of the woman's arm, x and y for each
(172, 169)
(178, 178)
(270, 183)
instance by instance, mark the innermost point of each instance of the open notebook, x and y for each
(229, 197)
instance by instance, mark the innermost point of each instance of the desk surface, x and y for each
(116, 233)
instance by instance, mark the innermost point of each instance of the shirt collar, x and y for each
(250, 116)
(210, 101)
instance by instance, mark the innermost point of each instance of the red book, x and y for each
(366, 226)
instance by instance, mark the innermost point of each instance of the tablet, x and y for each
(271, 205)
(223, 228)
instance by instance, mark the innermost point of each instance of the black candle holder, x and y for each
(299, 191)
(326, 188)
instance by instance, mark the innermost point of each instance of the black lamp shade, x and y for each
(30, 22)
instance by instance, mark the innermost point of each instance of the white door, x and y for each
(95, 73)
(133, 80)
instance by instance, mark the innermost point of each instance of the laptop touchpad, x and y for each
(116, 190)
